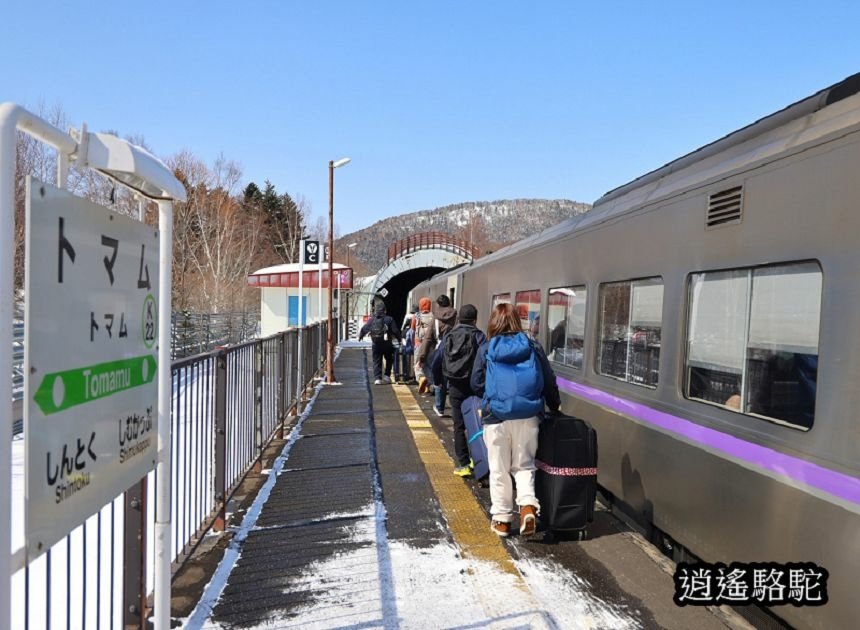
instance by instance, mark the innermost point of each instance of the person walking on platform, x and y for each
(383, 332)
(459, 351)
(514, 377)
(423, 322)
(407, 348)
(445, 319)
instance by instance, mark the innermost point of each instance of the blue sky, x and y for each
(436, 102)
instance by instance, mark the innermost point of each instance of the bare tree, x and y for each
(318, 230)
(216, 239)
(36, 159)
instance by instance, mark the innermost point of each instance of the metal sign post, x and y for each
(310, 255)
(339, 318)
(319, 303)
(300, 310)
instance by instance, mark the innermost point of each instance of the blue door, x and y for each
(293, 310)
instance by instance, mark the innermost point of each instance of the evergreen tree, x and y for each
(284, 223)
(252, 197)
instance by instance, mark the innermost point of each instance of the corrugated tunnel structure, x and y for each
(415, 259)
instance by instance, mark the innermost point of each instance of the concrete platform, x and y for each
(363, 525)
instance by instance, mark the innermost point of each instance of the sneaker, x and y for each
(437, 412)
(463, 471)
(378, 381)
(502, 530)
(386, 379)
(528, 520)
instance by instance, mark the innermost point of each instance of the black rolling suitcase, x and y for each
(566, 477)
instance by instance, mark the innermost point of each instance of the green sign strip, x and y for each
(61, 390)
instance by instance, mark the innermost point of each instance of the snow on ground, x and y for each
(570, 599)
(17, 493)
(437, 587)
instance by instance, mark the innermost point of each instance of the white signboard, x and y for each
(91, 380)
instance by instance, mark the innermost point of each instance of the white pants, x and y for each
(511, 448)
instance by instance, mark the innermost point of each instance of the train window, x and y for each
(631, 316)
(752, 340)
(528, 308)
(566, 325)
(501, 298)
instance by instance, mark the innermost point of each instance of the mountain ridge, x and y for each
(489, 225)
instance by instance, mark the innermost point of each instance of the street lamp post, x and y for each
(346, 317)
(333, 164)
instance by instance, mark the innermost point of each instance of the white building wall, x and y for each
(274, 311)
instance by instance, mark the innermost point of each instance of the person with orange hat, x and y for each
(423, 323)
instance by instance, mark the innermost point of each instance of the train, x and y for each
(705, 318)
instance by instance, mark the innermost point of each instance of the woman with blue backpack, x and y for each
(514, 378)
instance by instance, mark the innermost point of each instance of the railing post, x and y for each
(208, 324)
(322, 355)
(134, 557)
(220, 439)
(289, 364)
(282, 384)
(258, 405)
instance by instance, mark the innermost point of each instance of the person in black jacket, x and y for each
(459, 389)
(512, 409)
(383, 332)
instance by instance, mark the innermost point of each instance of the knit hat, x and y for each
(468, 314)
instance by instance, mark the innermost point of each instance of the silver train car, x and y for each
(705, 318)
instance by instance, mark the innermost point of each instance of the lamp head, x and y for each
(340, 162)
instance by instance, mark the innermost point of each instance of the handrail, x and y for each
(432, 240)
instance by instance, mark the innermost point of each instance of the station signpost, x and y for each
(98, 387)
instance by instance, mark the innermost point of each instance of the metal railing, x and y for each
(227, 406)
(432, 240)
(195, 333)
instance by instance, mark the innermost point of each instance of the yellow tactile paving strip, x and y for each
(466, 520)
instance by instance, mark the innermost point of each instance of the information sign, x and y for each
(311, 252)
(91, 380)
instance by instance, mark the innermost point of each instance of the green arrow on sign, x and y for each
(61, 390)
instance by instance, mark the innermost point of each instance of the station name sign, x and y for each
(91, 381)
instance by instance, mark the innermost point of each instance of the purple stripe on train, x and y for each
(835, 483)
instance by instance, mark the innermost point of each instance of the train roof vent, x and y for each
(724, 207)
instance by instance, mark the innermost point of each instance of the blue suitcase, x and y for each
(471, 409)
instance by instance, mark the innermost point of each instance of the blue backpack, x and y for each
(514, 385)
